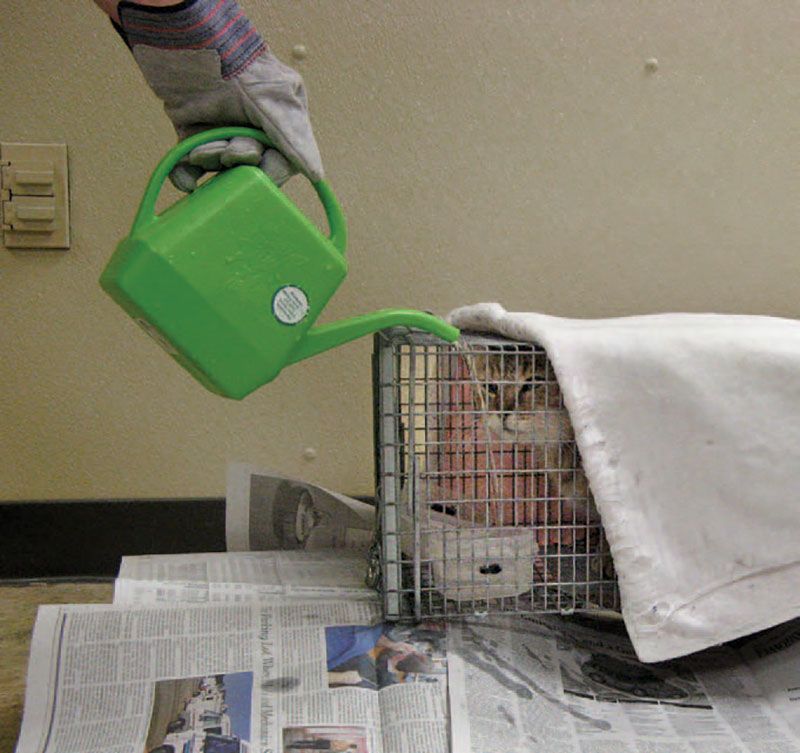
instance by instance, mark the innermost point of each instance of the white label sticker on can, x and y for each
(290, 305)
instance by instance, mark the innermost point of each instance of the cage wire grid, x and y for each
(483, 503)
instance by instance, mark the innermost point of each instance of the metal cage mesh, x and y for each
(484, 506)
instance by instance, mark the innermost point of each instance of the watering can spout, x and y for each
(327, 336)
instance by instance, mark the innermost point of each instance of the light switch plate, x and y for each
(34, 189)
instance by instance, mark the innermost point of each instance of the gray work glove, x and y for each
(210, 67)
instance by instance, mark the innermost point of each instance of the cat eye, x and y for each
(492, 388)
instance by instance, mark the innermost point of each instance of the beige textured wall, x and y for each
(482, 149)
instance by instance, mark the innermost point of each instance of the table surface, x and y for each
(18, 606)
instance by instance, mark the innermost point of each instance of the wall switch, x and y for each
(34, 194)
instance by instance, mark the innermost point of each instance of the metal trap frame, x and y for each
(483, 504)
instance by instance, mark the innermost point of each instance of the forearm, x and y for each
(110, 6)
(386, 642)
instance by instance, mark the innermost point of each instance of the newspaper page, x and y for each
(568, 686)
(774, 657)
(242, 576)
(407, 664)
(233, 678)
(265, 510)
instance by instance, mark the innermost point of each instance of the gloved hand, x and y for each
(211, 68)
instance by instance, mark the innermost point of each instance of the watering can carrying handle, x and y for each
(147, 209)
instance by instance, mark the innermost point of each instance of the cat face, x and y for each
(517, 396)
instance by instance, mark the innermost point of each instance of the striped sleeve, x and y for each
(195, 25)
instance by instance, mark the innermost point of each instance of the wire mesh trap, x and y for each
(483, 503)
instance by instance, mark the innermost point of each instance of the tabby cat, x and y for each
(516, 395)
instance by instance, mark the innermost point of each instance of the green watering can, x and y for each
(231, 278)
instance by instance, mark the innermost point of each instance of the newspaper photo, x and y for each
(575, 686)
(242, 576)
(265, 510)
(233, 678)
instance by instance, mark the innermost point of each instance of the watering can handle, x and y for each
(147, 209)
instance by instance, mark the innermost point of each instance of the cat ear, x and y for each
(476, 366)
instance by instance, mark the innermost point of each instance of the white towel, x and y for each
(689, 429)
